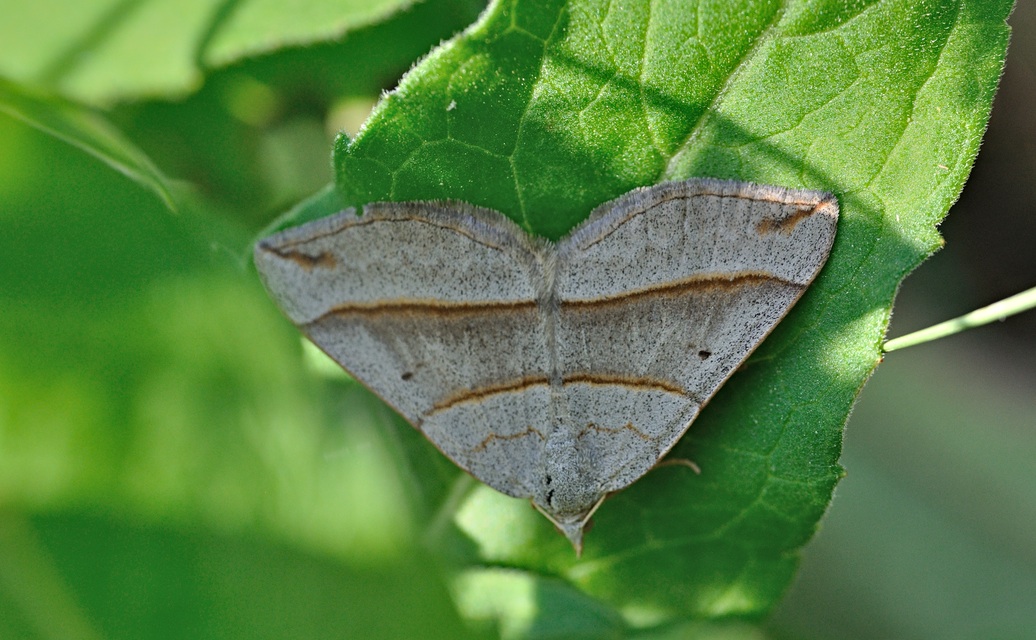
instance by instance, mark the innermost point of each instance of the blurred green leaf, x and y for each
(544, 110)
(325, 202)
(123, 580)
(940, 492)
(108, 50)
(159, 392)
(534, 607)
(87, 130)
(104, 51)
(254, 26)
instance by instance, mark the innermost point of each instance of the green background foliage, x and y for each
(173, 463)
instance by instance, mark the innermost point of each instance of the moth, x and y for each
(557, 372)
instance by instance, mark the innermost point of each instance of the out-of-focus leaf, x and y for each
(103, 51)
(86, 129)
(534, 607)
(232, 493)
(127, 580)
(326, 202)
(255, 26)
(940, 492)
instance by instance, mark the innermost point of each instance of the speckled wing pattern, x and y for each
(554, 372)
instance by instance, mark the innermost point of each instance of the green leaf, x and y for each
(130, 580)
(543, 110)
(167, 469)
(256, 26)
(325, 202)
(104, 51)
(85, 129)
(534, 607)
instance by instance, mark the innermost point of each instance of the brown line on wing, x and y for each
(809, 206)
(698, 283)
(308, 262)
(694, 284)
(786, 225)
(526, 382)
(473, 395)
(378, 215)
(636, 382)
(492, 437)
(439, 308)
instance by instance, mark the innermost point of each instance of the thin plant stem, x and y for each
(997, 311)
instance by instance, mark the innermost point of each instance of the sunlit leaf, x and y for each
(543, 110)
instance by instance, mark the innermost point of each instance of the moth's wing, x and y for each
(663, 293)
(433, 307)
